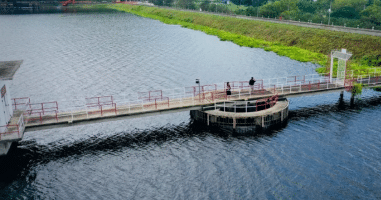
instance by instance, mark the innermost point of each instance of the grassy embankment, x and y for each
(298, 43)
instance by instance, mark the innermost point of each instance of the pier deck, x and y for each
(174, 105)
(97, 112)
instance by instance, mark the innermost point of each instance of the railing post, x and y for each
(246, 106)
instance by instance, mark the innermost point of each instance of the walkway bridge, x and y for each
(30, 116)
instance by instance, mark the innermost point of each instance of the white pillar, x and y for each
(331, 70)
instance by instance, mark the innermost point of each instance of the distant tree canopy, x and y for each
(358, 5)
(346, 12)
(307, 6)
(372, 14)
(274, 9)
(366, 13)
(254, 3)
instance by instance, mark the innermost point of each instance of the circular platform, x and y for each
(243, 116)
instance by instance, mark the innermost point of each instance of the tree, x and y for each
(274, 9)
(205, 5)
(346, 12)
(358, 5)
(168, 2)
(307, 6)
(187, 4)
(372, 13)
(158, 2)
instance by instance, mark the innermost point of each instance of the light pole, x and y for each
(329, 11)
(199, 89)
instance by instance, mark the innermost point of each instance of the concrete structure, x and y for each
(243, 116)
(10, 124)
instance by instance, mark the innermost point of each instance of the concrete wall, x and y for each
(4, 148)
(6, 110)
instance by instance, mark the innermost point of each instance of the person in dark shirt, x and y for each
(228, 88)
(251, 83)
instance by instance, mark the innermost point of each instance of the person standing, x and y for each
(228, 89)
(251, 83)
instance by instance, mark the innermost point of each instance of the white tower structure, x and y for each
(343, 57)
(7, 71)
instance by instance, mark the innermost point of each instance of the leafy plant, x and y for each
(357, 89)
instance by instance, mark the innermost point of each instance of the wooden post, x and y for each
(352, 100)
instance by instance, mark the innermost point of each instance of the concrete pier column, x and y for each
(4, 147)
(341, 100)
(352, 100)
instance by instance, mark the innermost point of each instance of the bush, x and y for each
(252, 11)
(357, 89)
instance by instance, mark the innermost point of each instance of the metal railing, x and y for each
(13, 128)
(247, 106)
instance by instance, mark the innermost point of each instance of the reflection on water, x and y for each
(327, 149)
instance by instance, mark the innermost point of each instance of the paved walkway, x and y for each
(164, 105)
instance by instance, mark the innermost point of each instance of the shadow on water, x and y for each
(29, 154)
(341, 106)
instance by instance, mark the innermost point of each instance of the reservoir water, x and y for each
(327, 150)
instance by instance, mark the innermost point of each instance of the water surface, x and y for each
(327, 150)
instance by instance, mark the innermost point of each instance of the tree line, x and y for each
(351, 13)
